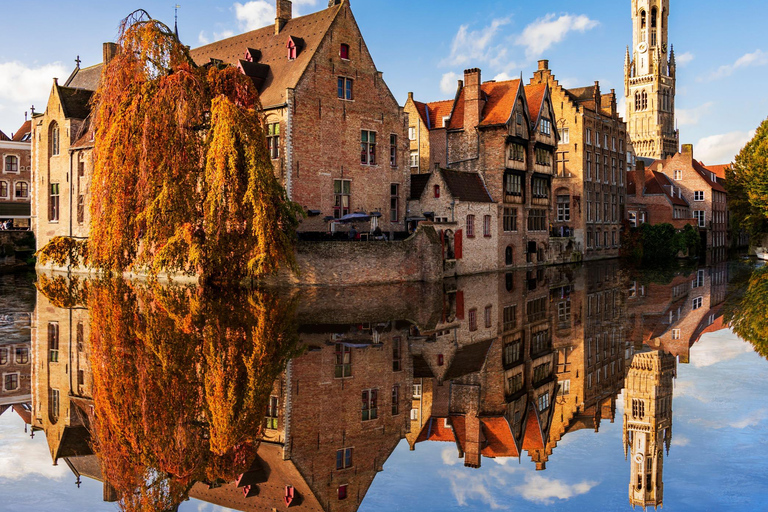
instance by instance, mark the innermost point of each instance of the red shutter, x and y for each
(442, 242)
(460, 305)
(457, 244)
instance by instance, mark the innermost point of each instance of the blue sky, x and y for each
(723, 60)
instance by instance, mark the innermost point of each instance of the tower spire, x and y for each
(176, 20)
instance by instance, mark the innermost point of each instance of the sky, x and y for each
(424, 47)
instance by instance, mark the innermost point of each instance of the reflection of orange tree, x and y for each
(63, 292)
(181, 381)
(745, 312)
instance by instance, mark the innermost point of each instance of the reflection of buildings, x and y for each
(648, 424)
(16, 304)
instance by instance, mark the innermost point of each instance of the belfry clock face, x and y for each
(642, 47)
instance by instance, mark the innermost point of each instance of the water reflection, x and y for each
(251, 400)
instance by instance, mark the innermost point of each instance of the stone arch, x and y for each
(54, 139)
(509, 255)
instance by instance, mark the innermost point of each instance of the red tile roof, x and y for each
(457, 119)
(421, 108)
(534, 438)
(706, 174)
(437, 111)
(469, 187)
(499, 439)
(666, 185)
(23, 132)
(435, 429)
(500, 100)
(4, 136)
(283, 74)
(719, 170)
(534, 95)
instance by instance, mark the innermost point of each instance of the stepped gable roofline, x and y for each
(24, 133)
(500, 99)
(284, 73)
(466, 186)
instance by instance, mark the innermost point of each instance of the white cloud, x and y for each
(621, 107)
(721, 346)
(540, 35)
(21, 86)
(684, 59)
(476, 46)
(22, 457)
(756, 58)
(751, 420)
(202, 38)
(256, 14)
(692, 116)
(468, 486)
(448, 83)
(540, 489)
(503, 77)
(450, 457)
(680, 441)
(723, 148)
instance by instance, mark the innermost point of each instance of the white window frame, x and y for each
(8, 188)
(565, 136)
(18, 163)
(698, 195)
(14, 190)
(678, 175)
(411, 133)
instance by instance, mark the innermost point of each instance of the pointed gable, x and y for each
(24, 133)
(534, 437)
(535, 95)
(499, 439)
(500, 99)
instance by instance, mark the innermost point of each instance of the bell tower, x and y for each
(649, 82)
(648, 424)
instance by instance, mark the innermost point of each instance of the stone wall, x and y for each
(343, 263)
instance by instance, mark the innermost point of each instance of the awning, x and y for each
(15, 210)
(354, 217)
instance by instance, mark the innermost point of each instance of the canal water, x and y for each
(594, 387)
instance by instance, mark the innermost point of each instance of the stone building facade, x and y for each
(650, 82)
(701, 189)
(337, 135)
(589, 186)
(16, 177)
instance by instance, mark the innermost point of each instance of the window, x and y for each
(53, 342)
(540, 341)
(545, 127)
(562, 164)
(53, 203)
(80, 209)
(536, 310)
(540, 188)
(4, 358)
(367, 147)
(638, 409)
(698, 302)
(563, 208)
(11, 163)
(344, 458)
(510, 318)
(589, 136)
(343, 366)
(517, 152)
(436, 190)
(537, 220)
(53, 133)
(675, 334)
(414, 158)
(342, 492)
(393, 150)
(394, 202)
(678, 175)
(345, 88)
(565, 137)
(470, 226)
(395, 400)
(510, 219)
(370, 408)
(509, 257)
(272, 413)
(487, 315)
(606, 141)
(11, 381)
(543, 402)
(4, 189)
(613, 143)
(514, 384)
(565, 388)
(701, 218)
(414, 414)
(411, 133)
(698, 195)
(699, 282)
(22, 190)
(417, 391)
(273, 140)
(344, 51)
(22, 355)
(487, 226)
(341, 191)
(397, 354)
(597, 139)
(513, 184)
(519, 118)
(543, 157)
(513, 349)
(589, 166)
(472, 319)
(633, 219)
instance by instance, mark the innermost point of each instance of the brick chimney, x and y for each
(109, 51)
(284, 9)
(687, 152)
(473, 102)
(598, 97)
(541, 75)
(639, 178)
(472, 442)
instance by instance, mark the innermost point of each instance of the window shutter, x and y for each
(458, 244)
(460, 305)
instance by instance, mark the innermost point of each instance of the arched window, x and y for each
(644, 100)
(642, 19)
(11, 163)
(53, 138)
(509, 282)
(637, 101)
(22, 190)
(509, 258)
(654, 16)
(4, 191)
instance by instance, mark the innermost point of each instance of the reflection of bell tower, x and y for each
(648, 424)
(649, 82)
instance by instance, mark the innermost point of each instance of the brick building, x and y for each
(504, 131)
(589, 184)
(427, 125)
(465, 215)
(16, 177)
(337, 136)
(701, 189)
(653, 198)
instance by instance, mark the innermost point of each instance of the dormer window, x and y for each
(295, 45)
(344, 51)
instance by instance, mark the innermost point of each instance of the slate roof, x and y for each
(468, 359)
(24, 133)
(85, 78)
(418, 184)
(283, 73)
(466, 186)
(75, 102)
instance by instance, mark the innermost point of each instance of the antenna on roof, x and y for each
(176, 20)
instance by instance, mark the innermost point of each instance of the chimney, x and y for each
(688, 149)
(598, 96)
(639, 178)
(541, 75)
(284, 9)
(543, 65)
(472, 442)
(109, 52)
(473, 103)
